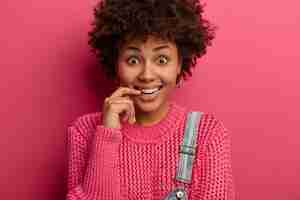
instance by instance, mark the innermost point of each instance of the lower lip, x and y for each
(150, 97)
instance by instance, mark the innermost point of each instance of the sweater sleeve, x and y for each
(216, 179)
(93, 169)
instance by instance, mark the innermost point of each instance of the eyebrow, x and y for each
(155, 49)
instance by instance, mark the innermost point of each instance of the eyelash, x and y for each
(166, 57)
(161, 56)
(128, 60)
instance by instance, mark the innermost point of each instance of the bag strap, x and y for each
(188, 148)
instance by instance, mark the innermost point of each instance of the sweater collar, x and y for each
(157, 132)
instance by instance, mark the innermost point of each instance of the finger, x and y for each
(133, 119)
(119, 98)
(109, 100)
(127, 112)
(122, 91)
(125, 118)
(122, 109)
(129, 115)
(112, 99)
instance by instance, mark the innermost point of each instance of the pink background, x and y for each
(249, 78)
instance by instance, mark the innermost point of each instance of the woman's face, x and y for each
(151, 67)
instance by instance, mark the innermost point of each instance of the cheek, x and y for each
(170, 76)
(125, 74)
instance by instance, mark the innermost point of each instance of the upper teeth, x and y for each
(150, 90)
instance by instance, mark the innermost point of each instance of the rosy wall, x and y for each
(249, 78)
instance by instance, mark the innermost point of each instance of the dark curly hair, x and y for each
(179, 21)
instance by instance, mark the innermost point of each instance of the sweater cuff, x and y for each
(109, 134)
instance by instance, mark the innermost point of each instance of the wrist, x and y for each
(109, 133)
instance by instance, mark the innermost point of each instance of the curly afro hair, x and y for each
(179, 21)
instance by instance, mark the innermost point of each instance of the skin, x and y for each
(144, 64)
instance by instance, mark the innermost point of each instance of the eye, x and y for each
(162, 60)
(133, 60)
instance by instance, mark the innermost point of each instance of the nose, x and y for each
(147, 73)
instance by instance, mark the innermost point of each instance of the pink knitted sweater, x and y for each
(139, 163)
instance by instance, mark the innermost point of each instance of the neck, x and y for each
(151, 118)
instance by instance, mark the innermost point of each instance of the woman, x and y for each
(130, 149)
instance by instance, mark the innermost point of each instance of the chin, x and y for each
(148, 106)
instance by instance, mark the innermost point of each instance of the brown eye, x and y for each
(162, 60)
(133, 60)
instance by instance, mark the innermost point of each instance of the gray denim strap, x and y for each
(177, 194)
(188, 148)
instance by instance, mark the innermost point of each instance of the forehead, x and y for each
(149, 42)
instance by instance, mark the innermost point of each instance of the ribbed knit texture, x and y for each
(139, 163)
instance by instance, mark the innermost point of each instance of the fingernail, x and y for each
(132, 120)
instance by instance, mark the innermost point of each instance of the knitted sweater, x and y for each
(139, 162)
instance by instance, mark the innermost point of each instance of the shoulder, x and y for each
(86, 124)
(210, 128)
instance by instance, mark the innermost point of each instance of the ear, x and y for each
(179, 67)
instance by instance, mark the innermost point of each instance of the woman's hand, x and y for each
(119, 106)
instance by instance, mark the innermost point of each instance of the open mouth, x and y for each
(150, 91)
